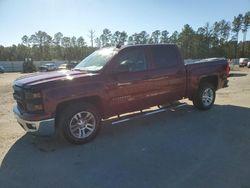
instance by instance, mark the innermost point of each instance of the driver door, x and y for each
(128, 87)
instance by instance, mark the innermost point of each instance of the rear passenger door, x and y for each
(167, 73)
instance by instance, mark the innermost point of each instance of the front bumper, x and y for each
(243, 64)
(41, 128)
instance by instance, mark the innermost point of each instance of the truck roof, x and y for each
(143, 45)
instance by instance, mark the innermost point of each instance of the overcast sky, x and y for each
(77, 17)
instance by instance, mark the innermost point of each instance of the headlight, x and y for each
(34, 101)
(32, 95)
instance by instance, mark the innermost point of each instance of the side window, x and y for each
(133, 59)
(164, 57)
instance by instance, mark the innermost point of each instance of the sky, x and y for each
(77, 17)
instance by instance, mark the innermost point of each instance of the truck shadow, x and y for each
(237, 74)
(169, 148)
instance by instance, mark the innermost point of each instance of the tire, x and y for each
(204, 97)
(79, 123)
(43, 70)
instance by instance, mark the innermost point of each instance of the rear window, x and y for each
(164, 56)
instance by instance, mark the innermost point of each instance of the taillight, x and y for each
(227, 69)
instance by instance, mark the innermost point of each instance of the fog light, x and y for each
(30, 126)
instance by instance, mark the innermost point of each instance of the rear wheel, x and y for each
(205, 96)
(79, 123)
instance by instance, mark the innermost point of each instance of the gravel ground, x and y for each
(178, 148)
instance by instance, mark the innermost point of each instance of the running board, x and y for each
(143, 114)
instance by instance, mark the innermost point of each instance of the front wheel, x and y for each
(79, 123)
(205, 97)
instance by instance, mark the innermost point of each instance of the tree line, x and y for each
(41, 46)
(220, 39)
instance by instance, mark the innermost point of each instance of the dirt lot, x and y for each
(178, 148)
(9, 129)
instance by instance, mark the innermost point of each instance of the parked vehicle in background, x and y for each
(62, 67)
(48, 67)
(248, 64)
(28, 65)
(2, 70)
(114, 81)
(243, 62)
(67, 66)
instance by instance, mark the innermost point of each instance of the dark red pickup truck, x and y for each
(113, 81)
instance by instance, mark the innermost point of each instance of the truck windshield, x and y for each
(96, 61)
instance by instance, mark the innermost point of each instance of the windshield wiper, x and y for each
(85, 70)
(78, 69)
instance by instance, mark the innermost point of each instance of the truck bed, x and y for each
(214, 68)
(211, 65)
(208, 60)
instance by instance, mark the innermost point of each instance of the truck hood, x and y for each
(40, 78)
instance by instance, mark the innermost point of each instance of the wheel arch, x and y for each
(213, 79)
(92, 100)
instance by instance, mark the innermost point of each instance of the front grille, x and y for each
(19, 97)
(20, 105)
(18, 93)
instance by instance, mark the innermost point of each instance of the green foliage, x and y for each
(106, 38)
(174, 37)
(237, 24)
(164, 37)
(155, 37)
(41, 46)
(119, 38)
(186, 41)
(246, 23)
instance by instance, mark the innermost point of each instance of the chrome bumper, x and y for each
(41, 128)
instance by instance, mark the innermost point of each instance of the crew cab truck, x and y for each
(113, 81)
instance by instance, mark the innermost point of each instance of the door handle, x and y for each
(124, 84)
(155, 79)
